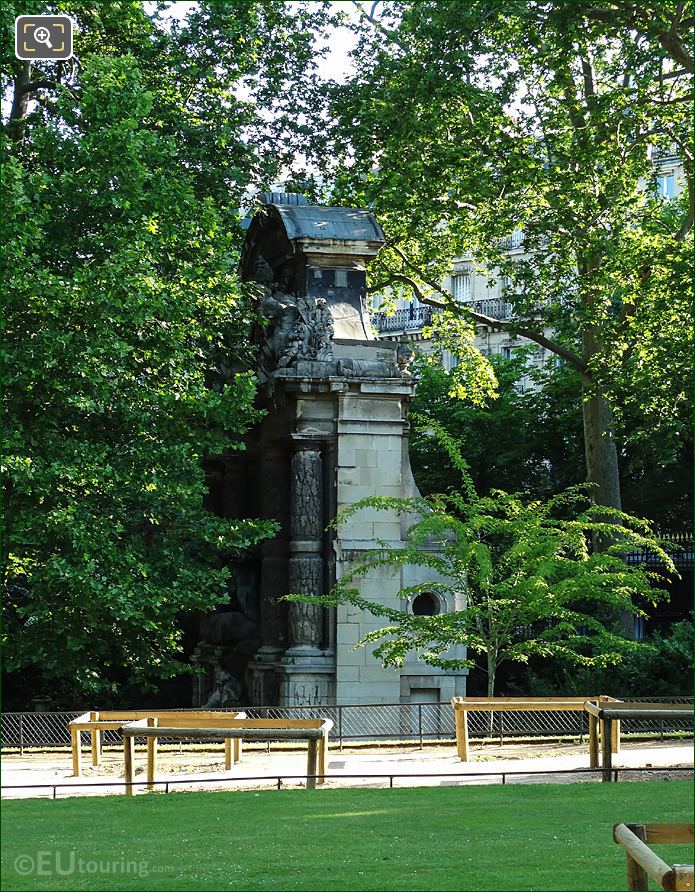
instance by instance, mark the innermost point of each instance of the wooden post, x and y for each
(461, 734)
(128, 760)
(593, 741)
(237, 750)
(311, 763)
(323, 746)
(615, 741)
(94, 739)
(76, 746)
(606, 753)
(151, 754)
(637, 877)
(682, 877)
(227, 753)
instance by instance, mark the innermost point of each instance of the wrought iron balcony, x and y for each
(408, 319)
(413, 319)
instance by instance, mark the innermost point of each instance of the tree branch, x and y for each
(369, 16)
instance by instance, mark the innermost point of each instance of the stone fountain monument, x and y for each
(335, 431)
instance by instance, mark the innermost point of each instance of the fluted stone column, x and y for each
(308, 672)
(306, 561)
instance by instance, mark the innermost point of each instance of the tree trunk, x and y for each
(600, 449)
(602, 460)
(599, 439)
(491, 667)
(20, 103)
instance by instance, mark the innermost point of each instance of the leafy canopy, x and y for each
(465, 122)
(532, 582)
(127, 330)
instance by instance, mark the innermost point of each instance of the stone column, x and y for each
(307, 670)
(306, 561)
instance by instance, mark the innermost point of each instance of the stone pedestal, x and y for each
(307, 680)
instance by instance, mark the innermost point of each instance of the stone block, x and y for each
(350, 656)
(347, 674)
(381, 692)
(354, 528)
(347, 634)
(349, 476)
(365, 458)
(370, 674)
(388, 530)
(388, 441)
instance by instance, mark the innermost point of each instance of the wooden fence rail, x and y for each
(609, 714)
(463, 705)
(94, 723)
(643, 863)
(314, 731)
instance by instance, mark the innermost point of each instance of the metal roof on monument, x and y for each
(321, 222)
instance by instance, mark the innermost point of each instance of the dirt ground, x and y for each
(197, 767)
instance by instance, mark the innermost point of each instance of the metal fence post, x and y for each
(419, 722)
(340, 728)
(21, 734)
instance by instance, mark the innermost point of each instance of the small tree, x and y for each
(533, 582)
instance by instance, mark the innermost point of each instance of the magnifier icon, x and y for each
(43, 35)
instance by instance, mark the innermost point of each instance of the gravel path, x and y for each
(407, 764)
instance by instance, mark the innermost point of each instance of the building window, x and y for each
(506, 352)
(461, 287)
(666, 185)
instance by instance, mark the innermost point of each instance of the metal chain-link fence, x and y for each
(353, 723)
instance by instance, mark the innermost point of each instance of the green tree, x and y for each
(531, 442)
(532, 582)
(519, 442)
(126, 330)
(465, 122)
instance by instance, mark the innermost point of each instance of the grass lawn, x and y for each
(542, 837)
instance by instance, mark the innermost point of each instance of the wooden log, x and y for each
(244, 733)
(129, 763)
(592, 708)
(524, 706)
(323, 747)
(76, 747)
(641, 853)
(680, 877)
(615, 739)
(617, 714)
(151, 754)
(669, 833)
(311, 763)
(100, 725)
(132, 715)
(606, 753)
(494, 700)
(593, 741)
(626, 704)
(94, 736)
(460, 719)
(637, 876)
